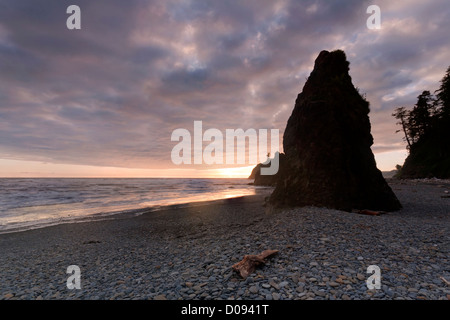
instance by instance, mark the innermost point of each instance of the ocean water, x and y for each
(33, 203)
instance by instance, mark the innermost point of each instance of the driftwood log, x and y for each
(250, 262)
(369, 212)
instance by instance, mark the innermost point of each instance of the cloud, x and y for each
(111, 93)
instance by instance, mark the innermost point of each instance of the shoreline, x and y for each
(135, 213)
(128, 213)
(187, 253)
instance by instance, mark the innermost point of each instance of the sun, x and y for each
(240, 172)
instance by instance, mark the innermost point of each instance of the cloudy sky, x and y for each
(104, 100)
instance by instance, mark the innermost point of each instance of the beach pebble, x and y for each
(333, 284)
(360, 277)
(254, 289)
(8, 295)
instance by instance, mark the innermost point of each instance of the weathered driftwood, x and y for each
(248, 265)
(369, 212)
(445, 281)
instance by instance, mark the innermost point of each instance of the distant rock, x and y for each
(389, 174)
(328, 160)
(266, 180)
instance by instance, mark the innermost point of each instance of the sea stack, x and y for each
(266, 180)
(327, 140)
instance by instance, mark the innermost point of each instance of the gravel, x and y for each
(187, 253)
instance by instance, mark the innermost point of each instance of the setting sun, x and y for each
(241, 172)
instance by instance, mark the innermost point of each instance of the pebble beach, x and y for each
(187, 253)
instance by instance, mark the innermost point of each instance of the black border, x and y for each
(171, 309)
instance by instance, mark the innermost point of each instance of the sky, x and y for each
(104, 100)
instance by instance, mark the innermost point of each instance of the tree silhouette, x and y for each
(403, 116)
(427, 132)
(443, 97)
(420, 117)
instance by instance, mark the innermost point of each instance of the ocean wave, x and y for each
(43, 202)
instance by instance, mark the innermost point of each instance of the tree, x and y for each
(420, 117)
(417, 122)
(402, 115)
(427, 132)
(443, 96)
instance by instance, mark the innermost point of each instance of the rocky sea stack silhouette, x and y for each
(266, 180)
(328, 160)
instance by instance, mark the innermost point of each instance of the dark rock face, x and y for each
(327, 143)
